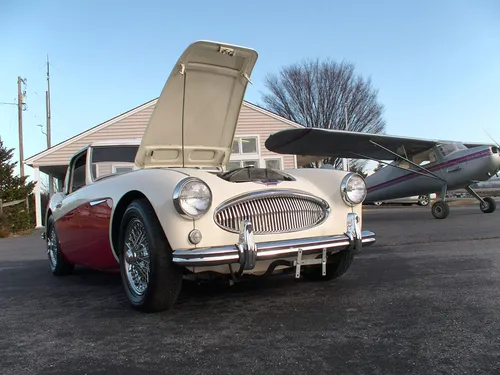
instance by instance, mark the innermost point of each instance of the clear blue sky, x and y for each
(436, 63)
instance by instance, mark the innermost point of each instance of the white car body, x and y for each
(281, 220)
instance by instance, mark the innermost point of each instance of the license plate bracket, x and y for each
(299, 262)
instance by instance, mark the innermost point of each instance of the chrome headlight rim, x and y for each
(344, 192)
(177, 198)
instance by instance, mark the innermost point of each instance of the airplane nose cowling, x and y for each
(496, 159)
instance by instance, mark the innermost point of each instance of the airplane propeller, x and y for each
(495, 142)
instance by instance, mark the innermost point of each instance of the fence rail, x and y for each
(8, 204)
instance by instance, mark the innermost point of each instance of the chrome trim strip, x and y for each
(214, 256)
(270, 193)
(95, 203)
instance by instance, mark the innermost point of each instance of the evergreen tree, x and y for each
(11, 187)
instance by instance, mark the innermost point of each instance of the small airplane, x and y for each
(418, 166)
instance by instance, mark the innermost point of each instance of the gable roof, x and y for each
(32, 159)
(87, 132)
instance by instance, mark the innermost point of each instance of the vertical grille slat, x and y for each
(273, 212)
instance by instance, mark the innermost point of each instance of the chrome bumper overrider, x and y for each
(246, 252)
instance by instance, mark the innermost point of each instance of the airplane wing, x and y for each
(345, 144)
(472, 145)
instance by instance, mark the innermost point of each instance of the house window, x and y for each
(245, 145)
(244, 153)
(122, 168)
(250, 163)
(233, 164)
(273, 163)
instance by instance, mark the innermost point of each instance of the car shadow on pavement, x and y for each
(28, 282)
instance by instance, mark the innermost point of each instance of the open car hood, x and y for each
(194, 120)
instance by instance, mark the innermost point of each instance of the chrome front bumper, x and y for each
(247, 252)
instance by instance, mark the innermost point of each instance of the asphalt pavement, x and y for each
(423, 300)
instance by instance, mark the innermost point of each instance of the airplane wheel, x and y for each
(423, 200)
(488, 206)
(440, 210)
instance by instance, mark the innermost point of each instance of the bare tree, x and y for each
(358, 166)
(318, 94)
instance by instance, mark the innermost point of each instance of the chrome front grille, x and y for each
(272, 211)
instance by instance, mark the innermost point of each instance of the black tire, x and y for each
(165, 278)
(489, 207)
(440, 210)
(423, 200)
(336, 265)
(58, 265)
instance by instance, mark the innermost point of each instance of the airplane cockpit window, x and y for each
(449, 148)
(426, 157)
(403, 164)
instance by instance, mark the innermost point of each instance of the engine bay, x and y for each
(253, 174)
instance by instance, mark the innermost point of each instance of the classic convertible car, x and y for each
(177, 213)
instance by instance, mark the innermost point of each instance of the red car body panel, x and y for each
(84, 235)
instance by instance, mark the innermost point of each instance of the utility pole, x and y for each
(49, 115)
(20, 101)
(47, 102)
(345, 161)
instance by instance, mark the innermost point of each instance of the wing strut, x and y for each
(412, 163)
(394, 166)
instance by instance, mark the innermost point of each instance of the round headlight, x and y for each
(353, 189)
(192, 197)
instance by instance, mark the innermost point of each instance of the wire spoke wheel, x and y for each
(58, 264)
(137, 257)
(52, 249)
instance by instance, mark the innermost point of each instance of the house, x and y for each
(254, 126)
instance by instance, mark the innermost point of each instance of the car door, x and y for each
(83, 226)
(68, 224)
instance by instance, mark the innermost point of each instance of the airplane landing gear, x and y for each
(487, 205)
(440, 210)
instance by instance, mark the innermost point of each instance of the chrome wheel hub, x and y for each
(52, 248)
(137, 257)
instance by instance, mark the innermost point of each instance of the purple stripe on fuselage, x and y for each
(447, 164)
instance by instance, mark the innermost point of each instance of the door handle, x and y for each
(58, 205)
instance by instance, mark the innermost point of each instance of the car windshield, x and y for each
(107, 160)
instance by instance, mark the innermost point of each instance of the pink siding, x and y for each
(132, 126)
(251, 122)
